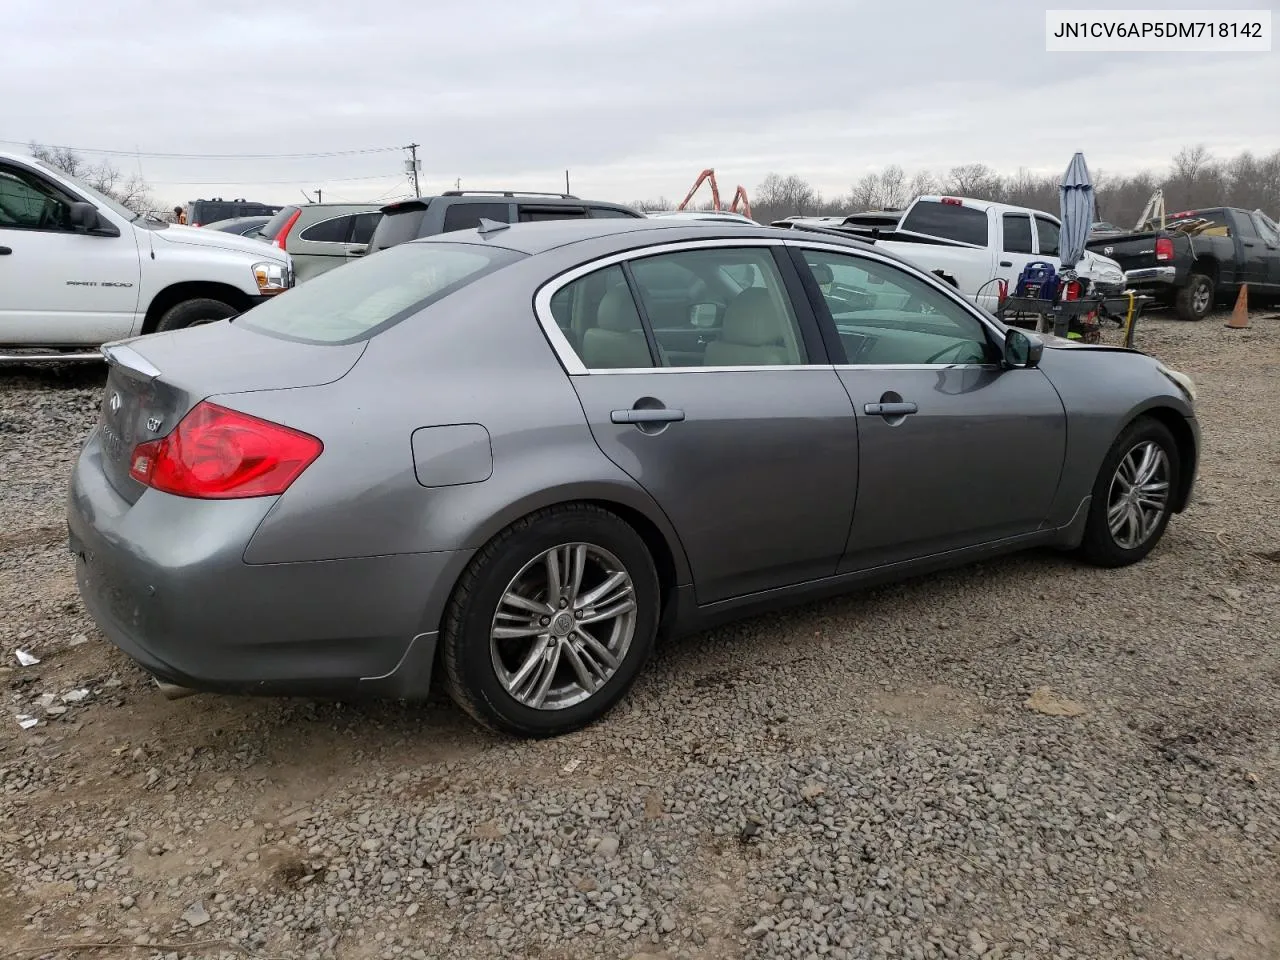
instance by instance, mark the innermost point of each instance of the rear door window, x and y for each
(948, 221)
(467, 216)
(371, 294)
(1017, 233)
(330, 230)
(610, 212)
(532, 214)
(365, 224)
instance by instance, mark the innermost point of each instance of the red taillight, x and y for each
(220, 454)
(953, 201)
(1164, 248)
(284, 231)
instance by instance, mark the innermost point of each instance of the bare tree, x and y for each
(1194, 179)
(130, 191)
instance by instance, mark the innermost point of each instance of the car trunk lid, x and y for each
(154, 381)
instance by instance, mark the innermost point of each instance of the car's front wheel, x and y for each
(1132, 496)
(551, 623)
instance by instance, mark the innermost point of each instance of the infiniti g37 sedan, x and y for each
(512, 456)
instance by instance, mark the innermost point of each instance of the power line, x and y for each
(198, 183)
(207, 156)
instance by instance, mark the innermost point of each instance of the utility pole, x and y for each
(566, 182)
(413, 166)
(319, 195)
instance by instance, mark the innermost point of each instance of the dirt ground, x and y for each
(1144, 823)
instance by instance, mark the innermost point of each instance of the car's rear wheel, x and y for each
(1195, 300)
(1132, 496)
(551, 623)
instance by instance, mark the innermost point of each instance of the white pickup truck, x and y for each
(972, 243)
(78, 269)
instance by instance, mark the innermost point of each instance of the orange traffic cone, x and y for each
(1240, 314)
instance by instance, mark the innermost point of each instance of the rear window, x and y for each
(464, 215)
(398, 225)
(948, 221)
(274, 225)
(369, 295)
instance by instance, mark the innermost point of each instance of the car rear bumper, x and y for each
(1151, 276)
(166, 582)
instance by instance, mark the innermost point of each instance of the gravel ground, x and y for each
(877, 776)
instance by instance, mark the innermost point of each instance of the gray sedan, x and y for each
(514, 456)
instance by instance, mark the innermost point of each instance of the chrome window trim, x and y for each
(574, 366)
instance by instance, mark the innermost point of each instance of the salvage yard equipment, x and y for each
(739, 195)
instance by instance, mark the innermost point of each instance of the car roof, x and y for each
(542, 236)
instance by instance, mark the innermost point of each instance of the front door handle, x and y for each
(1006, 263)
(646, 415)
(5, 251)
(889, 409)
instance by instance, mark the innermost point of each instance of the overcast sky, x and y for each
(633, 97)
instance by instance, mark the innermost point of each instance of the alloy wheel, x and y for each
(1200, 299)
(1139, 495)
(563, 626)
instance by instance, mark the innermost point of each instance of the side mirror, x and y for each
(1021, 352)
(86, 219)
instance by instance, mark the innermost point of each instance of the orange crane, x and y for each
(740, 196)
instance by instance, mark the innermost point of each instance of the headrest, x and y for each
(617, 311)
(751, 320)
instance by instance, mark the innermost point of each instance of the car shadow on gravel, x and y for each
(85, 375)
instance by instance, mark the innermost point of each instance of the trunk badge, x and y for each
(153, 424)
(1108, 251)
(115, 402)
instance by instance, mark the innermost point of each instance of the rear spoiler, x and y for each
(403, 206)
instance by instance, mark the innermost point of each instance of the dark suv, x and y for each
(203, 212)
(464, 209)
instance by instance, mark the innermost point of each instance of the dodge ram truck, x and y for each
(1199, 258)
(78, 269)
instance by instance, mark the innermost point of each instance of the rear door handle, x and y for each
(889, 409)
(659, 415)
(1006, 263)
(5, 251)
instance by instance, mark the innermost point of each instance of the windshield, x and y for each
(114, 206)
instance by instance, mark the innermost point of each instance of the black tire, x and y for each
(1195, 300)
(191, 312)
(1100, 546)
(469, 673)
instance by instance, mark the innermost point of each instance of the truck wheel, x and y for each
(1195, 300)
(189, 313)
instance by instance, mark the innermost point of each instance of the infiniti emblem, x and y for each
(115, 402)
